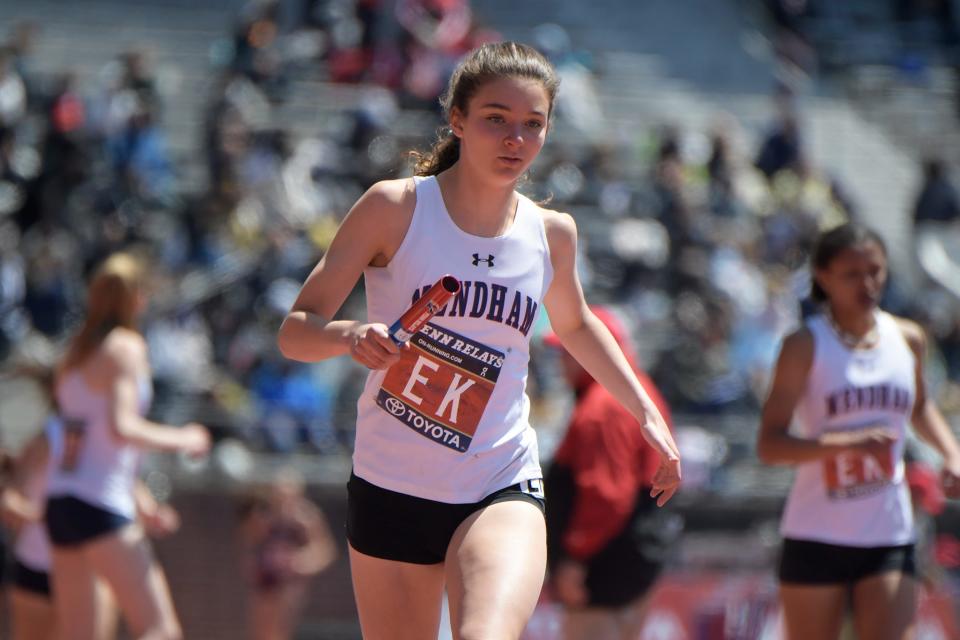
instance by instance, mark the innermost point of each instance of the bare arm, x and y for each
(125, 359)
(775, 444)
(590, 342)
(929, 423)
(369, 235)
(18, 508)
(32, 460)
(158, 519)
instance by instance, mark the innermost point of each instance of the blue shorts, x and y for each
(395, 526)
(71, 521)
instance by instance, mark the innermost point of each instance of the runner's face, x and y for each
(505, 126)
(855, 278)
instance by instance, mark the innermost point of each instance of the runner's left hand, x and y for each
(666, 480)
(950, 478)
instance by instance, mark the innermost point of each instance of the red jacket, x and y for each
(610, 462)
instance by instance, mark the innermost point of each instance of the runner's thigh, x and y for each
(396, 600)
(885, 606)
(124, 560)
(495, 570)
(813, 611)
(74, 594)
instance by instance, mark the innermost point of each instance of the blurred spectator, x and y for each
(698, 372)
(294, 406)
(287, 541)
(65, 151)
(21, 43)
(19, 166)
(937, 200)
(138, 76)
(436, 34)
(258, 48)
(12, 276)
(180, 349)
(48, 298)
(918, 18)
(735, 186)
(356, 51)
(13, 92)
(782, 147)
(720, 172)
(579, 103)
(608, 538)
(256, 30)
(139, 157)
(791, 42)
(672, 188)
(801, 192)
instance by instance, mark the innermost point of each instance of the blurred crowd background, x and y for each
(701, 145)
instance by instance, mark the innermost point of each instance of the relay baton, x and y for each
(423, 309)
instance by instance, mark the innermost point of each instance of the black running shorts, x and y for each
(72, 521)
(31, 580)
(805, 562)
(396, 526)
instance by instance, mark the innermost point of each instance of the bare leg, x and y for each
(74, 594)
(813, 611)
(32, 616)
(396, 600)
(123, 559)
(108, 616)
(885, 606)
(495, 570)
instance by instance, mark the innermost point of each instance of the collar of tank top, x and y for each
(851, 340)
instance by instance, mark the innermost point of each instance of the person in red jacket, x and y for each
(606, 540)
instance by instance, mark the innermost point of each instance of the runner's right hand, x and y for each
(371, 346)
(196, 440)
(873, 442)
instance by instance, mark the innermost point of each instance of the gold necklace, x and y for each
(852, 341)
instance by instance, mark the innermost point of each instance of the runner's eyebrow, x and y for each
(503, 107)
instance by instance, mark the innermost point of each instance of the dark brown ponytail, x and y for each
(443, 155)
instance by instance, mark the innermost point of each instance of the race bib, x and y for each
(853, 475)
(441, 386)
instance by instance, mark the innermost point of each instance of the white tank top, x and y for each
(450, 421)
(854, 500)
(33, 545)
(95, 466)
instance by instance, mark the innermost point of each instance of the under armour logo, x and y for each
(477, 259)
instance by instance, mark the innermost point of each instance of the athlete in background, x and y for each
(852, 380)
(103, 389)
